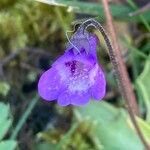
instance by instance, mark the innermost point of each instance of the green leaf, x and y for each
(8, 145)
(4, 88)
(145, 127)
(113, 129)
(118, 11)
(5, 120)
(143, 83)
(45, 146)
(141, 17)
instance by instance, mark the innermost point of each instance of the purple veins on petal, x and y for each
(75, 77)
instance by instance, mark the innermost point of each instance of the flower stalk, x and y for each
(121, 76)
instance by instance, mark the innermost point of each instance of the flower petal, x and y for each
(79, 40)
(76, 98)
(49, 85)
(93, 40)
(98, 90)
(82, 39)
(64, 70)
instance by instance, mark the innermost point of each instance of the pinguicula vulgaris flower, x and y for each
(75, 77)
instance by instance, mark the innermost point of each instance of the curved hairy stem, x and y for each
(121, 76)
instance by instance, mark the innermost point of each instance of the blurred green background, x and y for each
(32, 37)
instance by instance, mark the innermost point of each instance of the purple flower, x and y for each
(75, 77)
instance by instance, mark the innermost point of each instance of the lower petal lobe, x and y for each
(74, 98)
(98, 89)
(49, 85)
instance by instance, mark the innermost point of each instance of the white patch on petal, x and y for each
(93, 73)
(79, 84)
(64, 72)
(78, 76)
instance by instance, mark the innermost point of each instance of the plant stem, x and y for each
(120, 68)
(24, 117)
(121, 77)
(118, 64)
